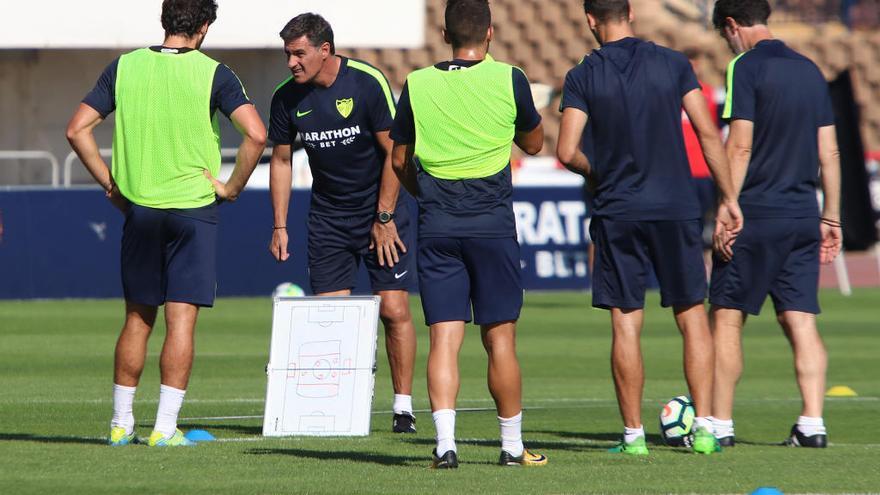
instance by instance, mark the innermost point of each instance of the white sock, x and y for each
(811, 426)
(703, 422)
(511, 434)
(444, 423)
(170, 400)
(123, 398)
(402, 404)
(630, 434)
(722, 427)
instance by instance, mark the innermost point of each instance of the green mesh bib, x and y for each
(464, 119)
(165, 136)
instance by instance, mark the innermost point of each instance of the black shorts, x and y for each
(337, 245)
(626, 251)
(457, 273)
(170, 255)
(776, 256)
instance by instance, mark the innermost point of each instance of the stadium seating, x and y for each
(547, 37)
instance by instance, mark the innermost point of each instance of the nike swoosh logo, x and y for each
(399, 275)
(302, 114)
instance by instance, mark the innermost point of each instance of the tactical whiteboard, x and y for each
(322, 361)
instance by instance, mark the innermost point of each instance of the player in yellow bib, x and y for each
(166, 153)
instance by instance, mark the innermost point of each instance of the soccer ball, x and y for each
(288, 289)
(676, 421)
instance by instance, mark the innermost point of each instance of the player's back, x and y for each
(784, 94)
(632, 92)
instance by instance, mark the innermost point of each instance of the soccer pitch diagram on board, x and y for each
(321, 366)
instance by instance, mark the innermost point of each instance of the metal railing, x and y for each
(71, 157)
(108, 152)
(36, 155)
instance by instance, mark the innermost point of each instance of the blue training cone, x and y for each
(767, 490)
(203, 436)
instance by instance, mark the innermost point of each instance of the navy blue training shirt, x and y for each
(471, 207)
(632, 91)
(787, 98)
(227, 92)
(337, 126)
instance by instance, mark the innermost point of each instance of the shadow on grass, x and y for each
(237, 429)
(323, 455)
(29, 437)
(650, 438)
(535, 445)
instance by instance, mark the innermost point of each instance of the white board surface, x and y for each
(321, 365)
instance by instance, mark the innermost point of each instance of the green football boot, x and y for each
(119, 438)
(636, 447)
(177, 440)
(705, 442)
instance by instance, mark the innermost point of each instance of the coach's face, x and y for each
(304, 59)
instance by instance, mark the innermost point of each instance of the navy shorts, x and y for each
(456, 273)
(626, 251)
(776, 256)
(337, 246)
(170, 255)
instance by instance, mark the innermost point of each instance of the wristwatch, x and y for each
(384, 217)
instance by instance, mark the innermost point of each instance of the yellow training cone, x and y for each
(841, 391)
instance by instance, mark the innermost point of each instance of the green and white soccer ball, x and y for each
(676, 421)
(288, 289)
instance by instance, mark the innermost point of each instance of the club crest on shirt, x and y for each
(345, 106)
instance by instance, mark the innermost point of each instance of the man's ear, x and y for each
(490, 33)
(591, 22)
(731, 25)
(445, 36)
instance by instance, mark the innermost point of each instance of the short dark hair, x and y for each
(186, 17)
(607, 10)
(744, 12)
(312, 26)
(467, 21)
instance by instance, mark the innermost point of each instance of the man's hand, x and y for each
(117, 199)
(220, 188)
(832, 238)
(278, 245)
(728, 225)
(386, 242)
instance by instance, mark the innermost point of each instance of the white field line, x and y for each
(584, 441)
(555, 400)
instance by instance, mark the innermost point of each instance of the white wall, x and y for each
(240, 23)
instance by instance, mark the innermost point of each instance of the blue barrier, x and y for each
(61, 244)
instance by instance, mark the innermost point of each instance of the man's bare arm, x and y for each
(248, 122)
(739, 151)
(568, 146)
(530, 141)
(280, 180)
(80, 134)
(384, 237)
(389, 187)
(401, 160)
(710, 141)
(829, 160)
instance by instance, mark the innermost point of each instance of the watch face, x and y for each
(384, 217)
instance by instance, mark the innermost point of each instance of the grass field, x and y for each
(56, 375)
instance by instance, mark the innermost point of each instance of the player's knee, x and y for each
(394, 313)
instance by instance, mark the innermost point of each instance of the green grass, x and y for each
(56, 370)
